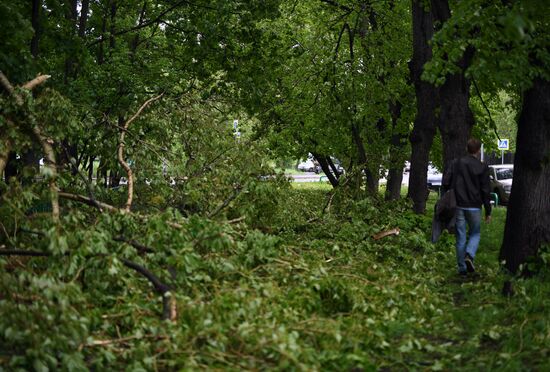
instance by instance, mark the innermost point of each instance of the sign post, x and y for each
(503, 144)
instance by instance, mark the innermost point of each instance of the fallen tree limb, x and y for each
(169, 306)
(236, 191)
(121, 145)
(138, 246)
(89, 201)
(22, 252)
(123, 340)
(383, 234)
(35, 82)
(169, 309)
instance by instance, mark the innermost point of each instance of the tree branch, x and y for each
(234, 194)
(121, 146)
(88, 201)
(35, 82)
(168, 302)
(45, 142)
(138, 246)
(337, 5)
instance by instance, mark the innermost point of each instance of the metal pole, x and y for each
(482, 155)
(502, 156)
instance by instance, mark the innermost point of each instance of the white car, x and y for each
(307, 166)
(435, 178)
(501, 176)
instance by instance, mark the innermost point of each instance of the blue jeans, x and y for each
(472, 217)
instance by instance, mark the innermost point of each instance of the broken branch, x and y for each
(88, 201)
(121, 146)
(383, 234)
(35, 82)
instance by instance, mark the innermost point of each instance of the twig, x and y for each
(236, 220)
(123, 340)
(88, 184)
(520, 338)
(121, 146)
(486, 108)
(234, 194)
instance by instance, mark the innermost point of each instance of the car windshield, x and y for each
(505, 173)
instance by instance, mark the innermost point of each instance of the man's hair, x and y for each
(473, 145)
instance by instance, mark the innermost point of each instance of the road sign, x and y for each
(504, 144)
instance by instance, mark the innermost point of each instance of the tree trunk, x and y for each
(423, 131)
(32, 156)
(372, 182)
(395, 174)
(83, 18)
(35, 22)
(322, 160)
(455, 119)
(528, 217)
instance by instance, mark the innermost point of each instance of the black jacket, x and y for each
(470, 179)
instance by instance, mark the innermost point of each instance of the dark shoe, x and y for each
(462, 273)
(469, 261)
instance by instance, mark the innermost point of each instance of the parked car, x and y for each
(435, 178)
(307, 166)
(501, 176)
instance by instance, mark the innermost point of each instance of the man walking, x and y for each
(469, 178)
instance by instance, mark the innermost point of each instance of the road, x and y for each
(313, 177)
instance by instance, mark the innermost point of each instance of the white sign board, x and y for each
(504, 144)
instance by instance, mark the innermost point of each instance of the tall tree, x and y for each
(427, 96)
(528, 216)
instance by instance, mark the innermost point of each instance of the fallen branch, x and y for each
(121, 145)
(138, 246)
(236, 191)
(169, 309)
(383, 234)
(123, 340)
(236, 220)
(21, 252)
(89, 201)
(169, 306)
(35, 82)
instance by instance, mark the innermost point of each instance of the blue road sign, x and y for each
(504, 144)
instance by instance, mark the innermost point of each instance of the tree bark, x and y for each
(372, 182)
(322, 160)
(83, 18)
(395, 174)
(528, 216)
(423, 131)
(35, 22)
(455, 119)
